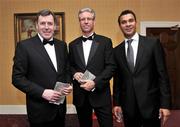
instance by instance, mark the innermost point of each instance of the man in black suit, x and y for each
(141, 90)
(94, 53)
(40, 62)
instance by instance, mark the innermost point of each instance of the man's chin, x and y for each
(128, 35)
(87, 31)
(47, 37)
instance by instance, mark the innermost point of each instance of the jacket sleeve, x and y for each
(163, 80)
(109, 66)
(20, 71)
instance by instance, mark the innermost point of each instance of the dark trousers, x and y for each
(141, 122)
(104, 115)
(58, 121)
(138, 121)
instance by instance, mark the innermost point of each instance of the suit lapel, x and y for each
(79, 48)
(42, 51)
(123, 56)
(139, 53)
(58, 53)
(94, 47)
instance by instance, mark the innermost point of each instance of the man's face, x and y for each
(87, 22)
(46, 26)
(128, 25)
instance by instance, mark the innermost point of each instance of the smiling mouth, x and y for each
(128, 30)
(46, 32)
(86, 27)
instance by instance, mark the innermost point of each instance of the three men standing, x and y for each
(141, 90)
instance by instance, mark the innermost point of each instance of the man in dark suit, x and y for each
(94, 53)
(40, 62)
(141, 90)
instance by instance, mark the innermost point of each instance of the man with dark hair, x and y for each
(141, 90)
(39, 63)
(91, 53)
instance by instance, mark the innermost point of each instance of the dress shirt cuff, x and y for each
(93, 89)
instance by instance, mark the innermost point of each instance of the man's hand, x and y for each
(51, 95)
(78, 76)
(67, 90)
(118, 114)
(87, 85)
(164, 115)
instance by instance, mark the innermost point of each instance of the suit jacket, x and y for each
(100, 63)
(33, 72)
(147, 88)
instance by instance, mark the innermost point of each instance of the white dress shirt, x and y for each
(86, 49)
(51, 51)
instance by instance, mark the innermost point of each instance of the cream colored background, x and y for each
(107, 12)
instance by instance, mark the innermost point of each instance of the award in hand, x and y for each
(60, 86)
(88, 76)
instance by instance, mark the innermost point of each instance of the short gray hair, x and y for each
(87, 10)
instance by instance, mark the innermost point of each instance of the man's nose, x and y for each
(46, 26)
(128, 23)
(86, 20)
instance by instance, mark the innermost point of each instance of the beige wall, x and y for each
(107, 12)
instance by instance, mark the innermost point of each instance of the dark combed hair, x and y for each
(46, 12)
(125, 12)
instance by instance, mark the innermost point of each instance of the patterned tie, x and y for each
(130, 55)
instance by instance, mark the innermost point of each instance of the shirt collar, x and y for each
(135, 37)
(41, 38)
(92, 34)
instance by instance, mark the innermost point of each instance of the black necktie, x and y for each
(85, 39)
(46, 42)
(130, 55)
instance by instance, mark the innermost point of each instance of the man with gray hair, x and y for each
(92, 66)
